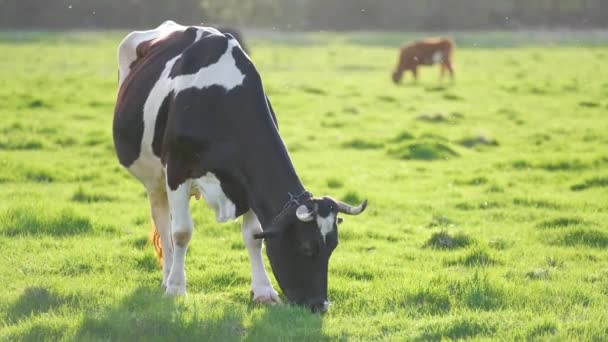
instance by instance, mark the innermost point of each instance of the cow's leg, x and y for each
(448, 65)
(181, 232)
(261, 288)
(159, 207)
(415, 73)
(443, 68)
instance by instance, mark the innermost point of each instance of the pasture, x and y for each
(488, 197)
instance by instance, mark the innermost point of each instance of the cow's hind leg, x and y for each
(448, 66)
(261, 288)
(159, 207)
(181, 232)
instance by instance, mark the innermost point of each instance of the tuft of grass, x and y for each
(352, 198)
(499, 244)
(478, 292)
(584, 237)
(433, 117)
(384, 98)
(473, 181)
(424, 151)
(360, 144)
(541, 331)
(75, 268)
(588, 104)
(440, 221)
(357, 274)
(334, 183)
(82, 196)
(538, 274)
(443, 240)
(564, 165)
(39, 176)
(561, 222)
(475, 257)
(534, 203)
(403, 136)
(429, 300)
(34, 221)
(313, 90)
(452, 97)
(460, 328)
(21, 145)
(479, 140)
(596, 182)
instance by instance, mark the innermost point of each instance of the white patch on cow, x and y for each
(326, 224)
(223, 73)
(209, 186)
(437, 57)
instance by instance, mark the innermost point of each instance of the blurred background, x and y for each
(395, 15)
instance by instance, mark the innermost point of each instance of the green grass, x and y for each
(487, 197)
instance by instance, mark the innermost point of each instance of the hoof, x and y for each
(266, 296)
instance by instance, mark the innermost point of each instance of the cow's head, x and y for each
(396, 76)
(299, 243)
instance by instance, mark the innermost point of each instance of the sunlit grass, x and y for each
(487, 196)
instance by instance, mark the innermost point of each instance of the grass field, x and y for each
(488, 197)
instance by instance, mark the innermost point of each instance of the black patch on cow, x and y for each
(128, 125)
(325, 207)
(194, 145)
(243, 63)
(206, 51)
(234, 191)
(234, 33)
(161, 124)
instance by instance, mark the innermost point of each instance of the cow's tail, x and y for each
(154, 240)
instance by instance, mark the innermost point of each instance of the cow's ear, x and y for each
(340, 220)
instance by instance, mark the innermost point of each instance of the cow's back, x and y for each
(427, 51)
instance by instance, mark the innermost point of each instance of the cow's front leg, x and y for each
(261, 288)
(181, 232)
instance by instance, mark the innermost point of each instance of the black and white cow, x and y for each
(192, 119)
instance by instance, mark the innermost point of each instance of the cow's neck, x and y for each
(266, 171)
(269, 176)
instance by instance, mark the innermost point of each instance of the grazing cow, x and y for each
(427, 51)
(192, 119)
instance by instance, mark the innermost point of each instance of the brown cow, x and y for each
(427, 51)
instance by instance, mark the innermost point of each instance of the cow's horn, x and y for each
(350, 210)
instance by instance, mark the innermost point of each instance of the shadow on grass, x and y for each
(285, 323)
(33, 221)
(36, 300)
(145, 315)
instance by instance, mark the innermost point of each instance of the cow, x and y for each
(427, 51)
(192, 119)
